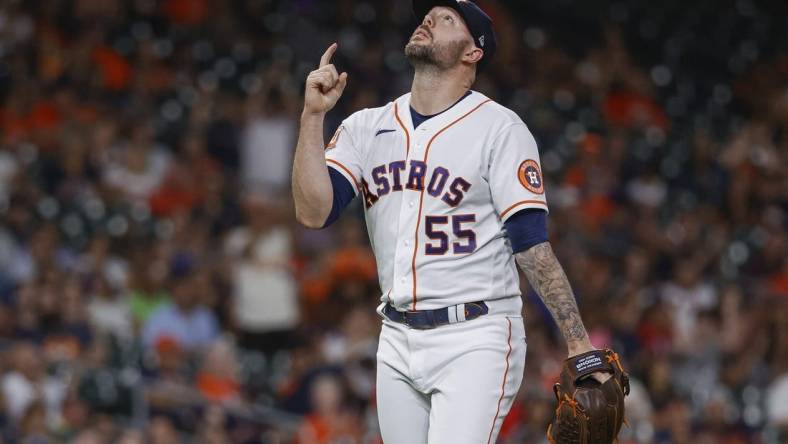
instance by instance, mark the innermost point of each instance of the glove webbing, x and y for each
(572, 403)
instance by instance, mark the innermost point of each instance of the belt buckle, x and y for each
(472, 311)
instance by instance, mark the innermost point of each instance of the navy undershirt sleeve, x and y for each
(343, 194)
(527, 228)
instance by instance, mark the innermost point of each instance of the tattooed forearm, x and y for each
(548, 279)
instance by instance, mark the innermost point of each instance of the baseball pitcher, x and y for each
(454, 201)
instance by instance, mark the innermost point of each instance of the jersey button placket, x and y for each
(413, 212)
(407, 226)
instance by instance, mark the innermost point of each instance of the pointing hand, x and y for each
(324, 86)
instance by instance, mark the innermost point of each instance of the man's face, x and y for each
(184, 294)
(440, 40)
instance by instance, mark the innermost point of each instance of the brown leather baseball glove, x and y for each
(589, 412)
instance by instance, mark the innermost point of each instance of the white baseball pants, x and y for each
(453, 384)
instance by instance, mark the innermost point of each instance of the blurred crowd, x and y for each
(155, 288)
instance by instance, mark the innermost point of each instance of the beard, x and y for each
(439, 56)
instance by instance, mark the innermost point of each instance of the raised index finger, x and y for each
(328, 54)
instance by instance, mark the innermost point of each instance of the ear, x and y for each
(473, 55)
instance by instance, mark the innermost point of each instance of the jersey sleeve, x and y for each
(515, 173)
(343, 194)
(344, 155)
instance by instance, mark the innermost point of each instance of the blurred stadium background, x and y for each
(154, 286)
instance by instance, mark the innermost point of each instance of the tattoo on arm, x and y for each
(546, 276)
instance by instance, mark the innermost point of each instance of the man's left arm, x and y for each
(517, 189)
(602, 404)
(548, 279)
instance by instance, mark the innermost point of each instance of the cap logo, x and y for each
(481, 41)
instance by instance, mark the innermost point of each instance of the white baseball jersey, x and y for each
(436, 198)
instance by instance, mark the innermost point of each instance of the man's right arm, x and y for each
(312, 190)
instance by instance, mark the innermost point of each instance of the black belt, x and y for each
(427, 319)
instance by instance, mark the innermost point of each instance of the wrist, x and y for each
(577, 347)
(309, 115)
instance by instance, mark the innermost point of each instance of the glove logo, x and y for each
(588, 362)
(530, 176)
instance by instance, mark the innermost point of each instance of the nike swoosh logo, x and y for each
(383, 131)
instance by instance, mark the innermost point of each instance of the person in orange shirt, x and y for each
(217, 380)
(330, 421)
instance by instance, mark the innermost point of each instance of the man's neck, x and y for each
(434, 91)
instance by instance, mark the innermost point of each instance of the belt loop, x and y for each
(460, 308)
(452, 312)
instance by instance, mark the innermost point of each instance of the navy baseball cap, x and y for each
(479, 24)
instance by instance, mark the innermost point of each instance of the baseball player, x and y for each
(454, 200)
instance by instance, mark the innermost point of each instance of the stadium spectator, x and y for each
(265, 309)
(218, 380)
(139, 165)
(268, 137)
(108, 310)
(28, 390)
(185, 320)
(330, 421)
